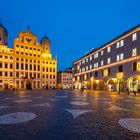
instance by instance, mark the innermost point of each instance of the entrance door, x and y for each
(28, 85)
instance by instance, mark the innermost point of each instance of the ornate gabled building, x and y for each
(29, 64)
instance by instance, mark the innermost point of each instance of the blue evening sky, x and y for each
(73, 26)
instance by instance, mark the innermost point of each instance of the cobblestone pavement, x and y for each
(69, 115)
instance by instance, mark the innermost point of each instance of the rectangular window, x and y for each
(0, 73)
(6, 73)
(22, 66)
(120, 57)
(109, 60)
(17, 74)
(6, 65)
(90, 67)
(11, 66)
(102, 52)
(90, 58)
(102, 63)
(96, 65)
(96, 55)
(87, 60)
(120, 44)
(17, 65)
(0, 65)
(134, 36)
(134, 66)
(108, 49)
(120, 68)
(96, 73)
(34, 67)
(11, 74)
(26, 66)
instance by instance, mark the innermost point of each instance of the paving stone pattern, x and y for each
(69, 115)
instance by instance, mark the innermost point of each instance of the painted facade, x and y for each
(29, 64)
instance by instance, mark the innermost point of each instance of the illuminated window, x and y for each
(96, 55)
(102, 63)
(95, 65)
(83, 61)
(134, 37)
(90, 66)
(102, 52)
(120, 44)
(90, 58)
(86, 67)
(120, 56)
(134, 52)
(87, 60)
(108, 49)
(109, 60)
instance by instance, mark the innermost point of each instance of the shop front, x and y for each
(133, 83)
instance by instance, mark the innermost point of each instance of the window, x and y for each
(30, 66)
(11, 66)
(53, 69)
(120, 69)
(134, 36)
(109, 60)
(96, 65)
(11, 57)
(120, 44)
(6, 65)
(26, 66)
(22, 66)
(90, 58)
(0, 65)
(87, 60)
(96, 55)
(6, 73)
(6, 57)
(11, 74)
(17, 65)
(34, 67)
(120, 57)
(17, 74)
(134, 66)
(50, 69)
(96, 74)
(102, 63)
(83, 61)
(134, 51)
(90, 67)
(83, 69)
(0, 73)
(102, 52)
(108, 49)
(86, 67)
(38, 68)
